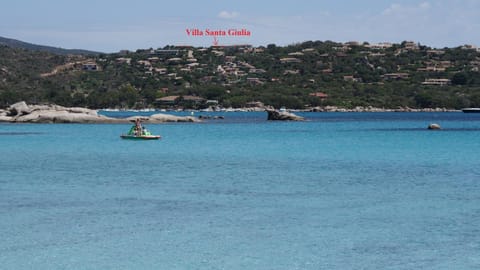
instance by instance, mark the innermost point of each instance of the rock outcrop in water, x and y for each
(161, 118)
(21, 112)
(283, 116)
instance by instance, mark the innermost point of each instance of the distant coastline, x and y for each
(314, 109)
(312, 75)
(374, 109)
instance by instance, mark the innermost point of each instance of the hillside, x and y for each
(303, 75)
(13, 43)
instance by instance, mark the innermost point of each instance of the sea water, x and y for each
(338, 191)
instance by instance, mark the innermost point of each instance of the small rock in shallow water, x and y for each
(434, 126)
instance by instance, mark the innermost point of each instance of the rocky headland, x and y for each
(21, 112)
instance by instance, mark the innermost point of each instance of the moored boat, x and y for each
(471, 110)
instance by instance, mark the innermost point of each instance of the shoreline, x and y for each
(264, 109)
(21, 112)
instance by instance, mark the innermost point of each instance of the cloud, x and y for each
(392, 9)
(424, 5)
(397, 9)
(227, 15)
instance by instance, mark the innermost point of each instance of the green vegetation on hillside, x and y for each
(308, 74)
(13, 43)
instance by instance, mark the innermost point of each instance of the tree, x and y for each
(272, 48)
(424, 100)
(128, 96)
(459, 78)
(8, 97)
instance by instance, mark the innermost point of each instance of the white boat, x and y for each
(471, 110)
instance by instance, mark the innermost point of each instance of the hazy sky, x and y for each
(113, 25)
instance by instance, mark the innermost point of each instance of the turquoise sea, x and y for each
(339, 191)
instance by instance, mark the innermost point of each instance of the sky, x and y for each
(114, 25)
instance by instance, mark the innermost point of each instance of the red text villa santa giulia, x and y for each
(219, 32)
